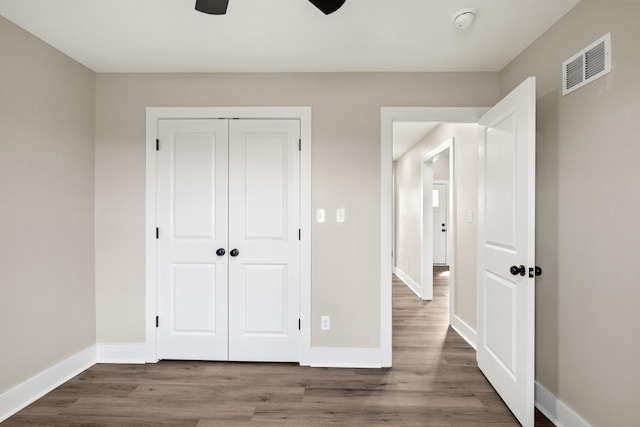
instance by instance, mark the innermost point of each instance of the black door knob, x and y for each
(220, 252)
(518, 270)
(234, 252)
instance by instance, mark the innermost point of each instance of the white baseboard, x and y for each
(331, 357)
(121, 353)
(465, 331)
(557, 412)
(24, 394)
(415, 287)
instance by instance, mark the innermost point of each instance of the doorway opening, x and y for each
(505, 307)
(438, 225)
(389, 115)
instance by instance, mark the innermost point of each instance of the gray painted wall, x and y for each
(47, 299)
(588, 205)
(345, 173)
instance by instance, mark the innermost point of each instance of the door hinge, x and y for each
(157, 321)
(157, 233)
(299, 234)
(157, 145)
(299, 325)
(300, 145)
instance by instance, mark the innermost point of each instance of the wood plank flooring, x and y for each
(434, 382)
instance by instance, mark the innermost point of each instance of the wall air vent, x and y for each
(584, 67)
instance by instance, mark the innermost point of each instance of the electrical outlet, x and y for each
(325, 323)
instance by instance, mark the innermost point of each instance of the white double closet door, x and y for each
(228, 186)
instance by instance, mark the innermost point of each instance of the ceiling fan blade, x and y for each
(328, 6)
(212, 7)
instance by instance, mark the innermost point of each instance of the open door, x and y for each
(506, 249)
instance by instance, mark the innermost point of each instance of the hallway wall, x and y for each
(408, 215)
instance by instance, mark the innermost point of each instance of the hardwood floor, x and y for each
(434, 382)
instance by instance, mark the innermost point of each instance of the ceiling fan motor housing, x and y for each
(219, 7)
(212, 7)
(328, 6)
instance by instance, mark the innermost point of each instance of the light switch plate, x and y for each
(319, 215)
(469, 216)
(340, 215)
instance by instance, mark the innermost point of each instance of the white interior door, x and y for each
(192, 225)
(440, 226)
(506, 238)
(264, 226)
(228, 240)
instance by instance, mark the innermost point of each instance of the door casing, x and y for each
(154, 114)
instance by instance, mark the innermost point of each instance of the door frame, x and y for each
(388, 116)
(153, 115)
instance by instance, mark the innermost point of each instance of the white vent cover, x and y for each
(584, 67)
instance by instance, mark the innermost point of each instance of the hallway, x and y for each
(440, 364)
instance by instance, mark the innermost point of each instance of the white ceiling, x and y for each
(289, 36)
(286, 35)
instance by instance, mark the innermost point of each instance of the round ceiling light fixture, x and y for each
(464, 18)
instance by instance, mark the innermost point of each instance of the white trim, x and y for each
(387, 116)
(386, 235)
(121, 353)
(150, 236)
(411, 284)
(332, 357)
(464, 330)
(556, 411)
(301, 113)
(22, 395)
(426, 229)
(306, 226)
